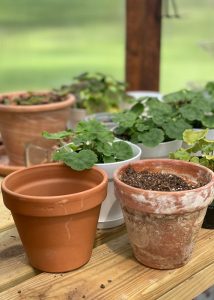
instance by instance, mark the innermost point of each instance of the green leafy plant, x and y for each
(195, 107)
(150, 122)
(91, 142)
(200, 149)
(96, 92)
(32, 98)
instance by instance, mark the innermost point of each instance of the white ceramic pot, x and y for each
(138, 94)
(210, 134)
(76, 115)
(111, 214)
(104, 117)
(160, 151)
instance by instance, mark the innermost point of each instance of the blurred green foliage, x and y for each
(44, 43)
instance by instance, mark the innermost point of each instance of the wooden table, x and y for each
(112, 273)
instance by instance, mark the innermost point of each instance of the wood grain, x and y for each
(113, 265)
(143, 38)
(192, 286)
(6, 218)
(14, 263)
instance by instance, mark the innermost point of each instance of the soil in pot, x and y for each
(156, 181)
(163, 217)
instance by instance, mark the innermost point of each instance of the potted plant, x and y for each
(24, 115)
(201, 151)
(92, 143)
(164, 202)
(95, 93)
(153, 125)
(195, 106)
(55, 210)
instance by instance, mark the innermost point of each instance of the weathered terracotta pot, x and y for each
(163, 226)
(56, 211)
(21, 124)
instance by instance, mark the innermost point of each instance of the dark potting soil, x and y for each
(156, 181)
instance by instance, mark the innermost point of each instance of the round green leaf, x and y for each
(152, 137)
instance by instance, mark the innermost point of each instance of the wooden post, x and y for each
(143, 35)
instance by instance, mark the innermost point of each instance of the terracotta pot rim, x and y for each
(70, 100)
(131, 188)
(51, 199)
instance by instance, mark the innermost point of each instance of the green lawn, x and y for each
(45, 43)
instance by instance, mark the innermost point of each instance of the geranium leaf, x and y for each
(191, 136)
(180, 154)
(82, 160)
(125, 119)
(152, 137)
(174, 128)
(191, 112)
(122, 150)
(208, 121)
(57, 135)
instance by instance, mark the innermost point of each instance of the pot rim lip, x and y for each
(160, 144)
(68, 101)
(115, 164)
(138, 190)
(51, 198)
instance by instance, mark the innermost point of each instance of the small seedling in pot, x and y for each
(150, 122)
(91, 142)
(200, 150)
(96, 92)
(32, 98)
(195, 107)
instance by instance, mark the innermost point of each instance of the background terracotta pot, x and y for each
(56, 211)
(21, 124)
(163, 226)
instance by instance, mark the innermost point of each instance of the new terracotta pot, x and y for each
(22, 124)
(163, 226)
(56, 210)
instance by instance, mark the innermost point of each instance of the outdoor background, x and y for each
(44, 43)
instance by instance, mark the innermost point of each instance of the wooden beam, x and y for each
(143, 39)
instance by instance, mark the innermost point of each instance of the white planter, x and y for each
(210, 134)
(104, 117)
(160, 151)
(138, 94)
(76, 115)
(111, 214)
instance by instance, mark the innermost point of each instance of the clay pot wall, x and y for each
(20, 125)
(56, 211)
(163, 226)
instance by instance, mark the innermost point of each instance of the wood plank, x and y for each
(13, 261)
(6, 217)
(192, 286)
(143, 38)
(113, 265)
